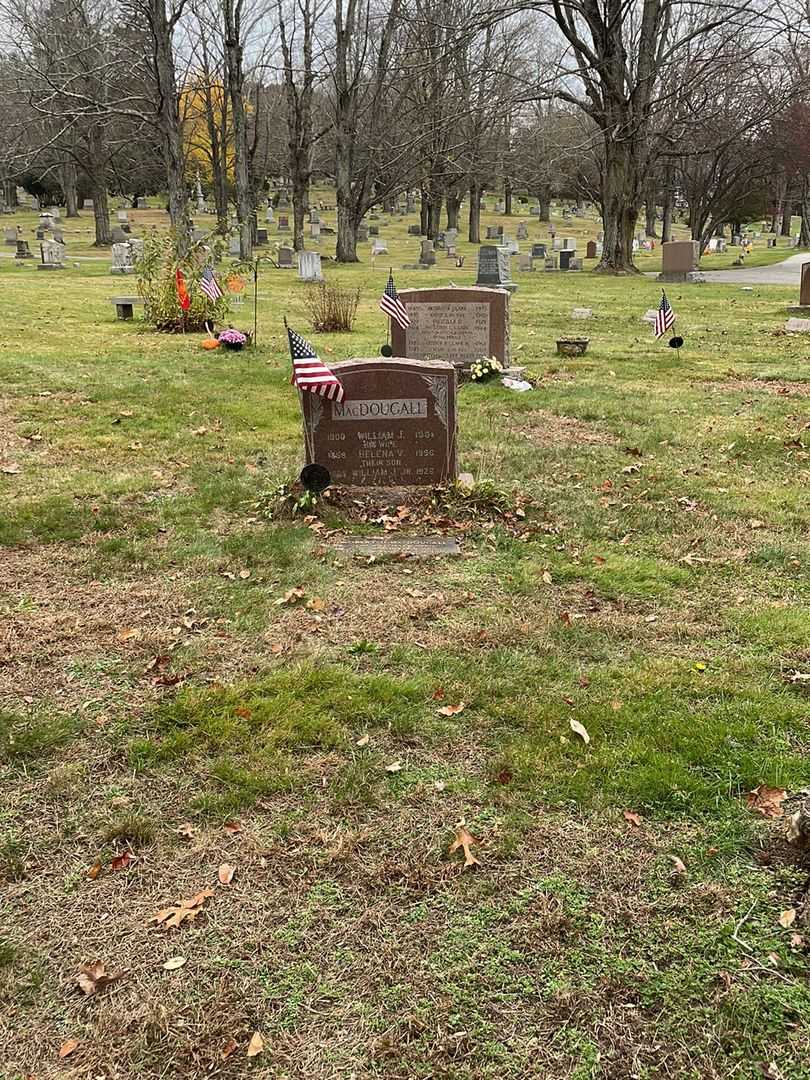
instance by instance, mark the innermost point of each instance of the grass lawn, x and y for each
(635, 559)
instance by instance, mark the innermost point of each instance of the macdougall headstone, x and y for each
(494, 269)
(396, 425)
(455, 325)
(680, 259)
(309, 266)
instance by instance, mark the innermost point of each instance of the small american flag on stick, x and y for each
(309, 372)
(210, 285)
(664, 317)
(391, 304)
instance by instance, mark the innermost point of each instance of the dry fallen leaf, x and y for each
(547, 577)
(10, 470)
(452, 710)
(316, 604)
(230, 1046)
(94, 977)
(678, 866)
(122, 861)
(256, 1044)
(363, 740)
(68, 1047)
(244, 574)
(233, 827)
(464, 840)
(185, 911)
(580, 729)
(225, 874)
(186, 830)
(787, 918)
(94, 871)
(766, 800)
(632, 817)
(395, 766)
(292, 597)
(174, 962)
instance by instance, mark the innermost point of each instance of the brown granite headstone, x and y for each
(396, 425)
(679, 259)
(804, 291)
(456, 325)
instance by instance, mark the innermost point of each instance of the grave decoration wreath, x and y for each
(489, 367)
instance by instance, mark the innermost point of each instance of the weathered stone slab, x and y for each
(419, 546)
(455, 325)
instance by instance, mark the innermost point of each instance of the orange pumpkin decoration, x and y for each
(210, 343)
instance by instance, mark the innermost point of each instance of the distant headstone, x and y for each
(374, 230)
(590, 250)
(457, 325)
(500, 206)
(122, 259)
(522, 231)
(268, 215)
(582, 313)
(569, 244)
(427, 256)
(285, 258)
(509, 246)
(680, 259)
(122, 216)
(550, 263)
(804, 290)
(283, 222)
(10, 236)
(525, 263)
(261, 237)
(314, 217)
(23, 251)
(234, 242)
(493, 232)
(52, 255)
(117, 235)
(798, 326)
(136, 246)
(539, 251)
(309, 266)
(140, 204)
(771, 241)
(494, 269)
(395, 427)
(534, 211)
(414, 230)
(575, 263)
(378, 247)
(565, 259)
(362, 233)
(315, 230)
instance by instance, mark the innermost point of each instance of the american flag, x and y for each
(309, 372)
(664, 317)
(391, 304)
(210, 285)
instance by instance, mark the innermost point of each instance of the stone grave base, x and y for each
(50, 266)
(418, 546)
(800, 309)
(690, 277)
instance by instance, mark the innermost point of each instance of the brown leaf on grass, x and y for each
(94, 977)
(316, 604)
(363, 740)
(580, 729)
(395, 766)
(230, 1046)
(186, 830)
(122, 861)
(94, 871)
(787, 918)
(256, 1044)
(547, 578)
(438, 694)
(452, 710)
(632, 817)
(68, 1047)
(233, 827)
(243, 713)
(225, 874)
(185, 911)
(766, 800)
(464, 840)
(128, 634)
(565, 618)
(292, 597)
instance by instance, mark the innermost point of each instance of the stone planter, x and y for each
(572, 346)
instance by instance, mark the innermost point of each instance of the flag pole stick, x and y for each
(255, 301)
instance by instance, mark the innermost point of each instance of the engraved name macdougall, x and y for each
(380, 409)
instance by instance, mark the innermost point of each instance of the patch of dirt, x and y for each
(764, 386)
(548, 429)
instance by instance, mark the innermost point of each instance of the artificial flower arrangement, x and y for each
(489, 367)
(232, 339)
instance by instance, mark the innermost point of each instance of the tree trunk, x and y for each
(94, 164)
(241, 170)
(300, 207)
(787, 214)
(474, 231)
(804, 237)
(9, 193)
(544, 201)
(68, 182)
(507, 197)
(435, 217)
(168, 116)
(346, 248)
(424, 213)
(453, 202)
(619, 210)
(651, 210)
(101, 216)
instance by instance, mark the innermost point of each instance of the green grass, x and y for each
(657, 592)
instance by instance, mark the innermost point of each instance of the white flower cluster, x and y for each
(482, 369)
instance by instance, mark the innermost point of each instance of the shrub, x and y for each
(158, 287)
(332, 308)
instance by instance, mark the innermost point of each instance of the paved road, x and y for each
(788, 272)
